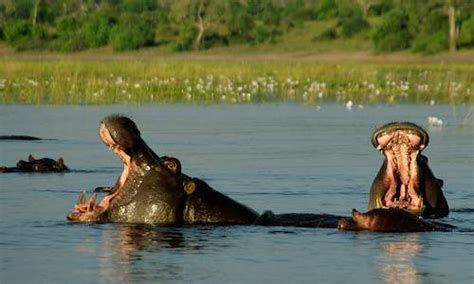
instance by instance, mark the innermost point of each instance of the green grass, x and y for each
(206, 82)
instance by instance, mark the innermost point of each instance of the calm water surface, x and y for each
(286, 158)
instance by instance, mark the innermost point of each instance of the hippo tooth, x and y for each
(379, 147)
(91, 201)
(81, 198)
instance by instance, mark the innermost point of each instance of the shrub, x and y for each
(95, 31)
(431, 44)
(466, 34)
(68, 36)
(22, 35)
(353, 24)
(392, 33)
(326, 9)
(185, 38)
(327, 34)
(132, 34)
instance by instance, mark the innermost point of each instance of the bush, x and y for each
(95, 31)
(132, 34)
(392, 33)
(431, 44)
(466, 34)
(22, 35)
(328, 34)
(326, 9)
(353, 24)
(185, 38)
(68, 36)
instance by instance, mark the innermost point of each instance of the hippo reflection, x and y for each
(405, 180)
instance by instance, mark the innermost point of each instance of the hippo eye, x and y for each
(171, 165)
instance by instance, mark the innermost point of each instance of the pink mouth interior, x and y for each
(87, 210)
(401, 148)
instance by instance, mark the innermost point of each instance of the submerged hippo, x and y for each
(37, 165)
(405, 180)
(306, 220)
(152, 190)
(388, 220)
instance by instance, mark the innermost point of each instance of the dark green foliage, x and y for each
(466, 35)
(185, 39)
(328, 34)
(68, 36)
(132, 33)
(431, 44)
(326, 9)
(380, 8)
(22, 35)
(70, 25)
(392, 33)
(95, 31)
(351, 21)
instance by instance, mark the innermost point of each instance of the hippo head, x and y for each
(149, 190)
(400, 143)
(42, 165)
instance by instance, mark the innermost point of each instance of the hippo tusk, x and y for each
(81, 198)
(91, 202)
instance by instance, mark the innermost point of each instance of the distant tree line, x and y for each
(72, 25)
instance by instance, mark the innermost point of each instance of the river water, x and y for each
(287, 158)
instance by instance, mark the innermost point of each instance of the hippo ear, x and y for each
(31, 159)
(189, 186)
(173, 165)
(356, 214)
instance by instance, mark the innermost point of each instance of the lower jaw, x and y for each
(415, 209)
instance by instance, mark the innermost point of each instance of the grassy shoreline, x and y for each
(108, 78)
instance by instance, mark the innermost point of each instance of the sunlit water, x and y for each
(286, 158)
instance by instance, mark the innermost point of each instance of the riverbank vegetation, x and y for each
(206, 82)
(426, 27)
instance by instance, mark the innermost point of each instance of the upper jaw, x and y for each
(401, 143)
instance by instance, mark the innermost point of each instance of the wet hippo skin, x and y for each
(153, 190)
(42, 165)
(389, 220)
(405, 180)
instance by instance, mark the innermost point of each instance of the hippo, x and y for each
(306, 220)
(153, 190)
(42, 165)
(19, 137)
(206, 205)
(389, 220)
(405, 180)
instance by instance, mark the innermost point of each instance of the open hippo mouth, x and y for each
(87, 210)
(401, 142)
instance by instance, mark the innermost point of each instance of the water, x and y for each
(286, 158)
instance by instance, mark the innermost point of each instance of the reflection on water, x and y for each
(125, 246)
(397, 262)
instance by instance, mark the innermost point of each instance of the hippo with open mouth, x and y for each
(405, 180)
(152, 190)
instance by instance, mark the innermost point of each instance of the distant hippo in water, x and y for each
(405, 180)
(388, 220)
(153, 190)
(36, 165)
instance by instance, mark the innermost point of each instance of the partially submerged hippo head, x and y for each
(405, 179)
(149, 189)
(42, 165)
(387, 220)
